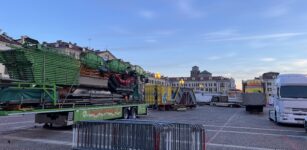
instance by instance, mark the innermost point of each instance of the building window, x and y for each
(222, 85)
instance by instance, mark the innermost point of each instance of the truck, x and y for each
(290, 100)
(253, 95)
(61, 89)
(203, 98)
(232, 99)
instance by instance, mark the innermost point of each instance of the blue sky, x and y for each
(234, 38)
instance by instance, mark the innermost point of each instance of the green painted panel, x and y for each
(98, 113)
(142, 109)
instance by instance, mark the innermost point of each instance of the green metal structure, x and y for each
(41, 66)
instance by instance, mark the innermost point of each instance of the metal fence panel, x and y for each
(137, 135)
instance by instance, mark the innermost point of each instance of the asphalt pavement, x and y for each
(226, 128)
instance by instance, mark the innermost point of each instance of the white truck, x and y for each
(290, 101)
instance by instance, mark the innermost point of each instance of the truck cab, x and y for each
(290, 100)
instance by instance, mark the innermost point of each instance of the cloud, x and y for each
(214, 58)
(300, 63)
(227, 55)
(267, 59)
(147, 14)
(257, 37)
(221, 34)
(119, 30)
(231, 54)
(186, 7)
(151, 41)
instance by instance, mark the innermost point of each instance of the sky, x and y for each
(233, 38)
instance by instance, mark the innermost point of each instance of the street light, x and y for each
(201, 86)
(181, 82)
(157, 75)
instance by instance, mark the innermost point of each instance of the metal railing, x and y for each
(137, 135)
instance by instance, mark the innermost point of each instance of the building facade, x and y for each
(152, 80)
(204, 82)
(67, 48)
(106, 55)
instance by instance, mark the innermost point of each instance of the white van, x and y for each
(290, 101)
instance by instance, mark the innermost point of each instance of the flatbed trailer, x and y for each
(226, 104)
(69, 116)
(225, 101)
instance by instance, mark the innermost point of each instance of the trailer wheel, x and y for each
(125, 113)
(247, 108)
(47, 125)
(133, 114)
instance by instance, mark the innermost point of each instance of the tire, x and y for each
(125, 113)
(133, 113)
(247, 108)
(261, 109)
(270, 116)
(276, 121)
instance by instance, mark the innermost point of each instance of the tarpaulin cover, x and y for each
(23, 95)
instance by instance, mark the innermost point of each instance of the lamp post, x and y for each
(157, 75)
(181, 82)
(201, 86)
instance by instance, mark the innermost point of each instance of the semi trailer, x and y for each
(61, 89)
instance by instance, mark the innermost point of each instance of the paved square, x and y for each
(226, 128)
